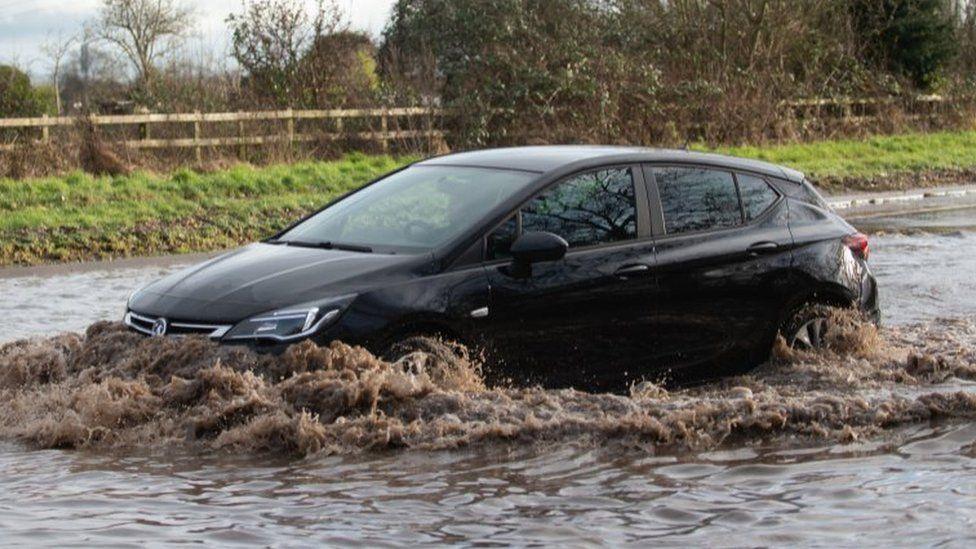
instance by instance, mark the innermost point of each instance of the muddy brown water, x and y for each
(872, 443)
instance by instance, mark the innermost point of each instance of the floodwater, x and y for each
(581, 471)
(867, 494)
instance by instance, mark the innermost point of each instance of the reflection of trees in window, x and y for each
(757, 197)
(501, 239)
(591, 208)
(425, 205)
(695, 199)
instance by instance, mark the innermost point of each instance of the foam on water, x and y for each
(110, 388)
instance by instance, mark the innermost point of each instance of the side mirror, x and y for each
(536, 247)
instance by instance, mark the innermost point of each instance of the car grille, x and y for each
(154, 326)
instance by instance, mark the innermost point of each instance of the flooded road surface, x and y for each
(920, 491)
(878, 476)
(45, 300)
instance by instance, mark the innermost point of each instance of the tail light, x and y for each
(858, 243)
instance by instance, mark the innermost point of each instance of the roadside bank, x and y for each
(79, 217)
(876, 163)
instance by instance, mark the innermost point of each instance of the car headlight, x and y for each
(289, 324)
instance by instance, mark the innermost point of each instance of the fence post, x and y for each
(291, 127)
(429, 118)
(384, 126)
(196, 137)
(45, 130)
(339, 127)
(241, 149)
(144, 132)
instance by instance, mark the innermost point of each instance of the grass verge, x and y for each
(886, 162)
(80, 217)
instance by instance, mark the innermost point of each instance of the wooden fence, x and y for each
(381, 126)
(855, 110)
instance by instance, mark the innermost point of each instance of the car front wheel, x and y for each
(429, 345)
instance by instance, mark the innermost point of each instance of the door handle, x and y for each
(765, 247)
(636, 269)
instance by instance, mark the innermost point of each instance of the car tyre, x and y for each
(447, 363)
(806, 329)
(432, 346)
(402, 346)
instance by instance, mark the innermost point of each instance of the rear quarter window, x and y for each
(757, 195)
(801, 191)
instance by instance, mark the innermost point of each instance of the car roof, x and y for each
(548, 158)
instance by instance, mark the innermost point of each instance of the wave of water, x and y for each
(110, 388)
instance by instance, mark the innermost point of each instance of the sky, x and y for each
(26, 24)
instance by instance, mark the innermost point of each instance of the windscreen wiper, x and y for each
(324, 245)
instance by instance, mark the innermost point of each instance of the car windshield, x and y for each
(414, 210)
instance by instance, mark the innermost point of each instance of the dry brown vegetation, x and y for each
(646, 72)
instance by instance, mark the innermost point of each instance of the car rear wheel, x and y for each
(806, 329)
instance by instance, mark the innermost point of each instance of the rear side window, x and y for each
(697, 199)
(757, 195)
(592, 208)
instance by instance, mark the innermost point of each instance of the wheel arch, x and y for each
(426, 325)
(829, 294)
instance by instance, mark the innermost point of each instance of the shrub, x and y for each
(17, 96)
(912, 38)
(624, 70)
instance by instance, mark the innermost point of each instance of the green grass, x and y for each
(79, 216)
(873, 157)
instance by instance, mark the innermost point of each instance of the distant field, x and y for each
(80, 217)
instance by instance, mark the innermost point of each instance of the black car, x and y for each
(569, 265)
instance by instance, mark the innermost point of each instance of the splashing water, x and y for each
(110, 388)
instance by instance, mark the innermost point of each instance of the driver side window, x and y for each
(501, 239)
(597, 207)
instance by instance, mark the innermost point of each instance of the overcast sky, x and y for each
(26, 24)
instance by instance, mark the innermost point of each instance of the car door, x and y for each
(580, 321)
(723, 260)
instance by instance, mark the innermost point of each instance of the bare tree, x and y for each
(91, 75)
(56, 49)
(271, 37)
(145, 30)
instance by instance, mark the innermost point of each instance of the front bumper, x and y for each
(159, 326)
(152, 326)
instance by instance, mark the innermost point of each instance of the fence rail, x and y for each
(382, 126)
(378, 121)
